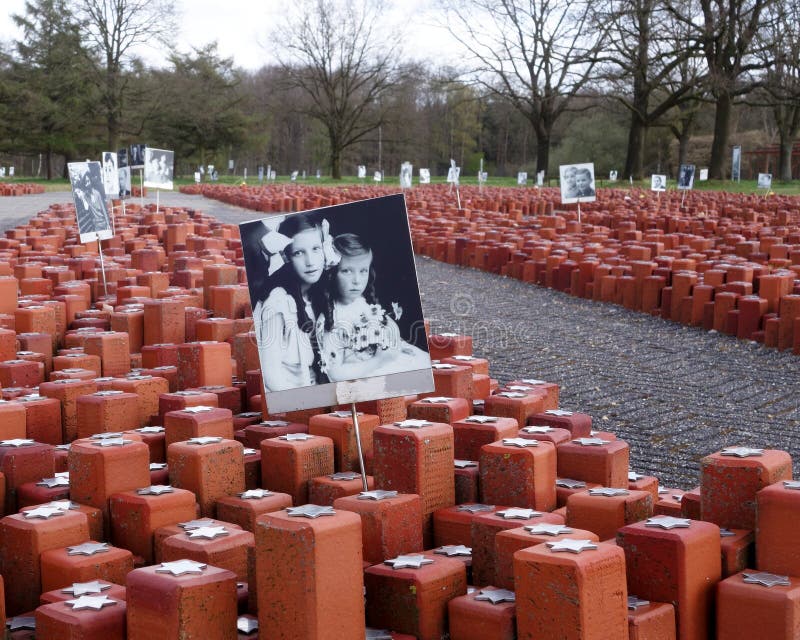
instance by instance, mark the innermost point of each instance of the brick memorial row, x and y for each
(20, 188)
(727, 262)
(147, 490)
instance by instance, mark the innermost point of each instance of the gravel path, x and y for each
(673, 392)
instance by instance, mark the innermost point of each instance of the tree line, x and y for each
(628, 84)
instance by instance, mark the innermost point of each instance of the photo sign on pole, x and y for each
(424, 176)
(336, 305)
(736, 164)
(686, 177)
(110, 174)
(577, 184)
(658, 183)
(89, 197)
(158, 168)
(406, 172)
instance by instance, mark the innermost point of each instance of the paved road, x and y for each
(675, 393)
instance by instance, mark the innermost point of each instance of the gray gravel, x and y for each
(674, 393)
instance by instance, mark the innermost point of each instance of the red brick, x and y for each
(62, 567)
(440, 409)
(221, 546)
(106, 411)
(288, 466)
(757, 611)
(604, 514)
(245, 508)
(60, 620)
(471, 433)
(604, 463)
(472, 619)
(338, 426)
(519, 476)
(196, 422)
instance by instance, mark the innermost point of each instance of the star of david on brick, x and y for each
(464, 464)
(204, 440)
(512, 394)
(64, 505)
(496, 596)
(742, 452)
(198, 409)
(451, 550)
(86, 588)
(668, 522)
(519, 387)
(463, 358)
(569, 483)
(561, 413)
(436, 400)
(181, 567)
(17, 623)
(209, 533)
(634, 603)
(537, 429)
(255, 494)
(378, 634)
(157, 466)
(377, 494)
(791, 484)
(412, 424)
(45, 513)
(155, 490)
(91, 602)
(591, 442)
(249, 451)
(634, 477)
(194, 524)
(522, 443)
(545, 529)
(516, 513)
(52, 483)
(533, 381)
(344, 414)
(296, 437)
(411, 561)
(481, 419)
(345, 475)
(273, 423)
(571, 546)
(150, 430)
(106, 435)
(17, 442)
(475, 507)
(310, 511)
(87, 549)
(726, 533)
(112, 442)
(610, 492)
(766, 579)
(443, 365)
(107, 392)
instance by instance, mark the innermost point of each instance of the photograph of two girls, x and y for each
(334, 294)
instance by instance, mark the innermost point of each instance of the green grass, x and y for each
(745, 186)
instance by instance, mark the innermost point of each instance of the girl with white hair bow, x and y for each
(289, 299)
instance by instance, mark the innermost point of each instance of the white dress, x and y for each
(275, 323)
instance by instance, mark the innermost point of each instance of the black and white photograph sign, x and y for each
(540, 178)
(453, 173)
(336, 305)
(612, 175)
(764, 180)
(158, 168)
(136, 156)
(406, 171)
(110, 173)
(686, 177)
(377, 176)
(577, 182)
(424, 176)
(658, 182)
(90, 201)
(522, 178)
(703, 175)
(736, 163)
(362, 171)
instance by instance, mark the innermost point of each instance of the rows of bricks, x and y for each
(20, 188)
(727, 262)
(142, 494)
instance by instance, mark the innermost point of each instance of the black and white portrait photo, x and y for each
(686, 176)
(158, 168)
(453, 173)
(124, 175)
(362, 171)
(424, 176)
(577, 183)
(522, 178)
(658, 182)
(110, 174)
(90, 201)
(764, 180)
(406, 172)
(336, 305)
(136, 156)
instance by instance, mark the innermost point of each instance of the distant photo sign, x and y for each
(424, 176)
(577, 183)
(764, 180)
(686, 177)
(336, 305)
(89, 197)
(136, 156)
(110, 174)
(158, 168)
(658, 182)
(522, 178)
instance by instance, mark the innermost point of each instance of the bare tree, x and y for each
(113, 29)
(538, 54)
(781, 80)
(726, 31)
(336, 53)
(647, 48)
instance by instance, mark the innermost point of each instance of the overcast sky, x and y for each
(241, 28)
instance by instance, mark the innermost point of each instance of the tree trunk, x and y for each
(542, 151)
(336, 169)
(785, 157)
(48, 163)
(634, 155)
(683, 145)
(722, 125)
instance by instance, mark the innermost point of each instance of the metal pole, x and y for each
(141, 187)
(102, 264)
(354, 413)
